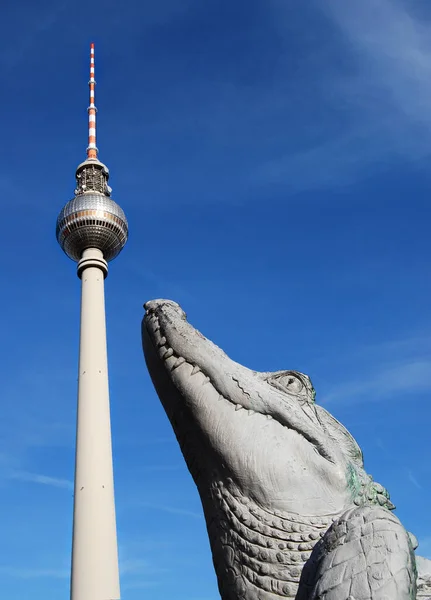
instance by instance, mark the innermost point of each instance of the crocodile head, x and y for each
(273, 469)
(260, 431)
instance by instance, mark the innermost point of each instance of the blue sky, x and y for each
(273, 158)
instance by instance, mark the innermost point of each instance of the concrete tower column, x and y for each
(92, 230)
(95, 573)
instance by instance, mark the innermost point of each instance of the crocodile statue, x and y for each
(289, 508)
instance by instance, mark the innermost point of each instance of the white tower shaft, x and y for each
(95, 573)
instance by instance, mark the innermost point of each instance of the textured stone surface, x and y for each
(365, 554)
(290, 510)
(424, 578)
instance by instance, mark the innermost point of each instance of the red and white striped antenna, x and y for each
(92, 148)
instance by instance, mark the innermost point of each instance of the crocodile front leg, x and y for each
(365, 555)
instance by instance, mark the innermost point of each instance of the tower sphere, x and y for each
(92, 220)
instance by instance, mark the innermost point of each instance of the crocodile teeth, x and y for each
(251, 412)
(162, 341)
(169, 352)
(180, 361)
(206, 380)
(195, 370)
(238, 407)
(269, 417)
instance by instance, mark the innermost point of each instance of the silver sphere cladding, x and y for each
(92, 220)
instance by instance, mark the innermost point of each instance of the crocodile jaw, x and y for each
(247, 430)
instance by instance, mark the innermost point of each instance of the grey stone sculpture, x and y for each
(290, 510)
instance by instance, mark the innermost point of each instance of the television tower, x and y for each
(92, 230)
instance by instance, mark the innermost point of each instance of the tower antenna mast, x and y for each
(92, 148)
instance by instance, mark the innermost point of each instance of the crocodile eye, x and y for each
(292, 384)
(287, 382)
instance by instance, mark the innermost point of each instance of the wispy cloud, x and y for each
(174, 510)
(127, 440)
(28, 425)
(381, 370)
(413, 479)
(160, 468)
(392, 51)
(139, 573)
(30, 573)
(393, 48)
(137, 566)
(41, 479)
(410, 377)
(139, 585)
(382, 97)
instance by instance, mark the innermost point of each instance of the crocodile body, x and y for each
(290, 510)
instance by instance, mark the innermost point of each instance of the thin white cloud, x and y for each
(385, 368)
(27, 424)
(139, 585)
(134, 566)
(41, 479)
(382, 96)
(172, 510)
(392, 50)
(30, 573)
(139, 573)
(127, 440)
(409, 378)
(160, 468)
(413, 479)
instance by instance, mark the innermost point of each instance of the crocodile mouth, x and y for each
(193, 364)
(173, 361)
(183, 384)
(183, 369)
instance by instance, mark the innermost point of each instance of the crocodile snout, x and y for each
(162, 305)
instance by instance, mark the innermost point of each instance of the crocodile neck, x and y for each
(258, 554)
